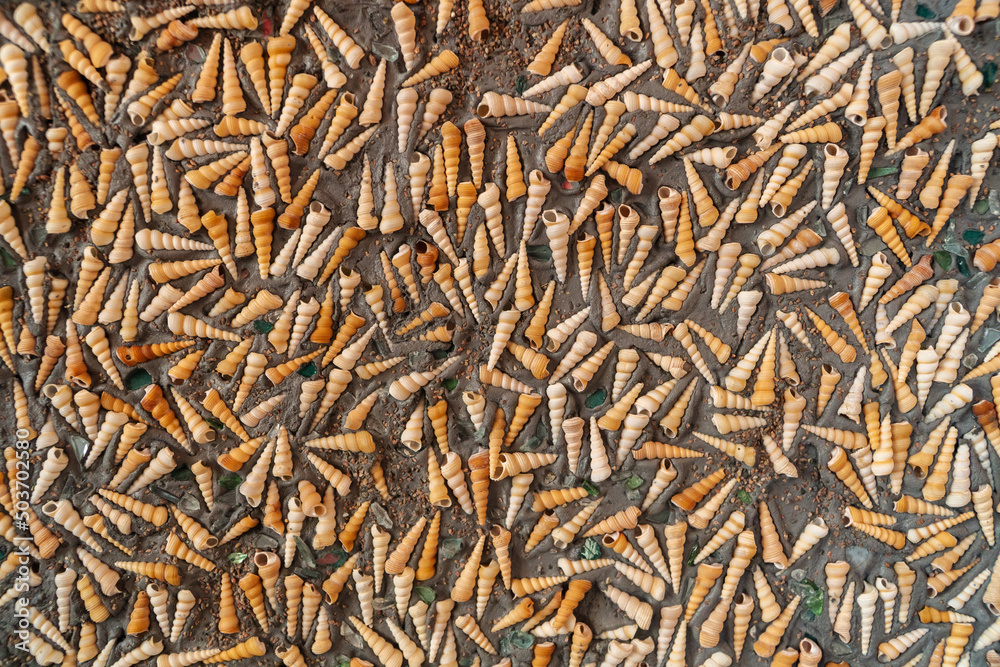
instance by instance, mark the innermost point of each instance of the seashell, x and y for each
(970, 77)
(637, 610)
(576, 157)
(140, 109)
(827, 106)
(732, 525)
(981, 153)
(175, 34)
(834, 164)
(141, 26)
(81, 203)
(938, 55)
(405, 24)
(866, 604)
(31, 23)
(439, 64)
(873, 31)
(828, 132)
(542, 62)
(566, 76)
(955, 190)
(664, 126)
(467, 624)
(744, 551)
(939, 582)
(930, 195)
(905, 31)
(697, 68)
(335, 583)
(748, 209)
(25, 165)
(185, 601)
(701, 518)
(608, 50)
(736, 174)
(159, 598)
(699, 127)
(790, 158)
(768, 641)
(970, 589)
(777, 67)
(857, 109)
(987, 256)
(542, 528)
(933, 123)
(339, 159)
(765, 135)
(896, 646)
(777, 13)
(574, 95)
(821, 82)
(240, 18)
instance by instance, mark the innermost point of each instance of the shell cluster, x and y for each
(344, 333)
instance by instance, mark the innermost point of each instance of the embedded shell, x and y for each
(388, 378)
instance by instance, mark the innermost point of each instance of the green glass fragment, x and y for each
(449, 384)
(308, 371)
(981, 207)
(591, 549)
(990, 338)
(989, 72)
(634, 482)
(236, 557)
(163, 493)
(878, 172)
(592, 489)
(695, 548)
(744, 497)
(963, 266)
(424, 593)
(385, 51)
(531, 444)
(450, 547)
(230, 482)
(663, 516)
(596, 399)
(504, 645)
(925, 12)
(943, 259)
(539, 252)
(138, 379)
(7, 259)
(813, 599)
(973, 236)
(341, 557)
(521, 84)
(263, 326)
(182, 474)
(305, 552)
(80, 446)
(214, 423)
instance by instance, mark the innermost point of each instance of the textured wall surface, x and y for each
(315, 317)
